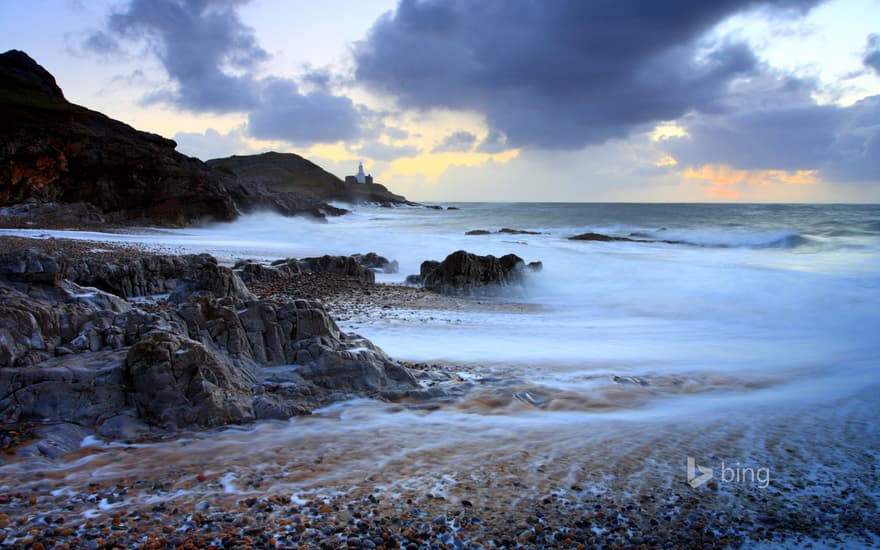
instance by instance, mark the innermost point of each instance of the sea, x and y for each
(742, 340)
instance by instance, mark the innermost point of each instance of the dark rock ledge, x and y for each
(78, 346)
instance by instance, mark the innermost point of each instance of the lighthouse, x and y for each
(361, 177)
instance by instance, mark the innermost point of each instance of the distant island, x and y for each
(68, 165)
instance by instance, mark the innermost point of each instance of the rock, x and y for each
(129, 276)
(360, 368)
(55, 440)
(151, 274)
(81, 354)
(31, 267)
(427, 267)
(21, 69)
(82, 388)
(463, 271)
(502, 231)
(359, 267)
(509, 231)
(600, 238)
(31, 329)
(347, 266)
(55, 213)
(250, 271)
(375, 262)
(179, 382)
(535, 266)
(126, 276)
(202, 274)
(93, 298)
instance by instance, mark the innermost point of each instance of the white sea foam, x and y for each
(744, 339)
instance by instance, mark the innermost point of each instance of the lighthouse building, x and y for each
(360, 177)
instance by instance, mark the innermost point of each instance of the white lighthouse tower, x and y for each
(361, 176)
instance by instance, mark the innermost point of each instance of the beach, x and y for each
(559, 413)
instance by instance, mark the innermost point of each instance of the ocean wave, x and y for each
(788, 242)
(782, 240)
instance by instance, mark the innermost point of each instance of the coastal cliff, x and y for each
(291, 173)
(56, 152)
(63, 163)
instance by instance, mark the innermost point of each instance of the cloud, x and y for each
(779, 127)
(103, 43)
(384, 152)
(213, 58)
(872, 53)
(460, 141)
(207, 51)
(395, 133)
(318, 117)
(318, 79)
(562, 74)
(495, 142)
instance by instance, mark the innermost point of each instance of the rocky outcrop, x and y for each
(287, 172)
(148, 274)
(357, 267)
(65, 164)
(377, 263)
(426, 268)
(462, 271)
(347, 266)
(502, 231)
(600, 238)
(178, 382)
(54, 151)
(215, 355)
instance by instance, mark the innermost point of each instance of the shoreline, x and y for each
(486, 504)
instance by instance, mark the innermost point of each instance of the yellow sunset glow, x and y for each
(666, 131)
(725, 175)
(432, 165)
(331, 151)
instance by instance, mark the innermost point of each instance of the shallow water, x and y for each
(751, 341)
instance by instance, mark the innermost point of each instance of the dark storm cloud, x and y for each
(456, 141)
(559, 74)
(781, 128)
(318, 117)
(872, 53)
(212, 57)
(202, 44)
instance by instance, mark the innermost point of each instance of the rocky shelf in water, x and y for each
(128, 344)
(502, 231)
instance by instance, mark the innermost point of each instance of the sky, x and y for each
(494, 100)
